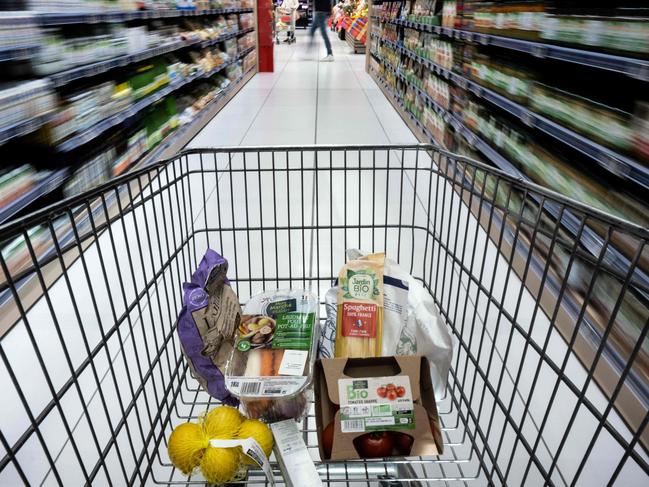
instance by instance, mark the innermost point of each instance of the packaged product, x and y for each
(223, 444)
(359, 323)
(207, 324)
(376, 408)
(412, 324)
(272, 362)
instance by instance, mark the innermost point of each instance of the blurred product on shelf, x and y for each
(246, 21)
(18, 29)
(16, 182)
(246, 42)
(24, 100)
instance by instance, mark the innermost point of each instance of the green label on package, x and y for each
(278, 307)
(376, 404)
(293, 331)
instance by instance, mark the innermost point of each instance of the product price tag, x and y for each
(293, 362)
(294, 459)
(252, 450)
(376, 404)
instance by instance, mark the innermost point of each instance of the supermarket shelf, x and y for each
(17, 53)
(21, 128)
(40, 189)
(589, 238)
(635, 68)
(618, 164)
(65, 77)
(165, 149)
(98, 129)
(48, 19)
(185, 134)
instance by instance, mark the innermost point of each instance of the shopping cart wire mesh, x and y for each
(546, 300)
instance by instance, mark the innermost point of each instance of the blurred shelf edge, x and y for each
(18, 52)
(63, 18)
(22, 128)
(102, 126)
(618, 164)
(166, 148)
(589, 238)
(64, 77)
(43, 187)
(633, 67)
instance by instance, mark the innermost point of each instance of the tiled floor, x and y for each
(308, 102)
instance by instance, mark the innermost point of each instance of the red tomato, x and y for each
(391, 387)
(403, 443)
(328, 439)
(377, 444)
(381, 391)
(392, 394)
(401, 391)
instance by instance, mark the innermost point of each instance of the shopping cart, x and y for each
(283, 22)
(547, 386)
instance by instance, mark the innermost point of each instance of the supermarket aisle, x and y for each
(307, 102)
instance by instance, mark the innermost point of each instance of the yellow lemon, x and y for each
(186, 446)
(222, 423)
(220, 465)
(260, 432)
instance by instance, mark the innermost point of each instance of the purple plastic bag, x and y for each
(210, 315)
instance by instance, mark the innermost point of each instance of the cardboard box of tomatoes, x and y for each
(376, 408)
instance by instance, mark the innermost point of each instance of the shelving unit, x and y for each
(618, 164)
(618, 169)
(49, 19)
(96, 130)
(635, 68)
(85, 75)
(357, 46)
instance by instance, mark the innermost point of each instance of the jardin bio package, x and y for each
(375, 408)
(207, 324)
(412, 324)
(272, 362)
(359, 321)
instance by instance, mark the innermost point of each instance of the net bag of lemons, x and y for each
(190, 449)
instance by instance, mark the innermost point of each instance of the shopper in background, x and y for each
(289, 7)
(321, 12)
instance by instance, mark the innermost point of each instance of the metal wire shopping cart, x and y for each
(546, 300)
(284, 21)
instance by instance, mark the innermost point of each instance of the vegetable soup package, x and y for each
(410, 325)
(272, 361)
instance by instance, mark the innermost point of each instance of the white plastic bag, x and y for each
(411, 323)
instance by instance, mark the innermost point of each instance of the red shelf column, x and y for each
(265, 33)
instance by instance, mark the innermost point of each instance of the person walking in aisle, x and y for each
(321, 12)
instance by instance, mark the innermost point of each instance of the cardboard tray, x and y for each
(327, 403)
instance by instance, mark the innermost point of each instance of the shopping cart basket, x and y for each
(546, 300)
(284, 21)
